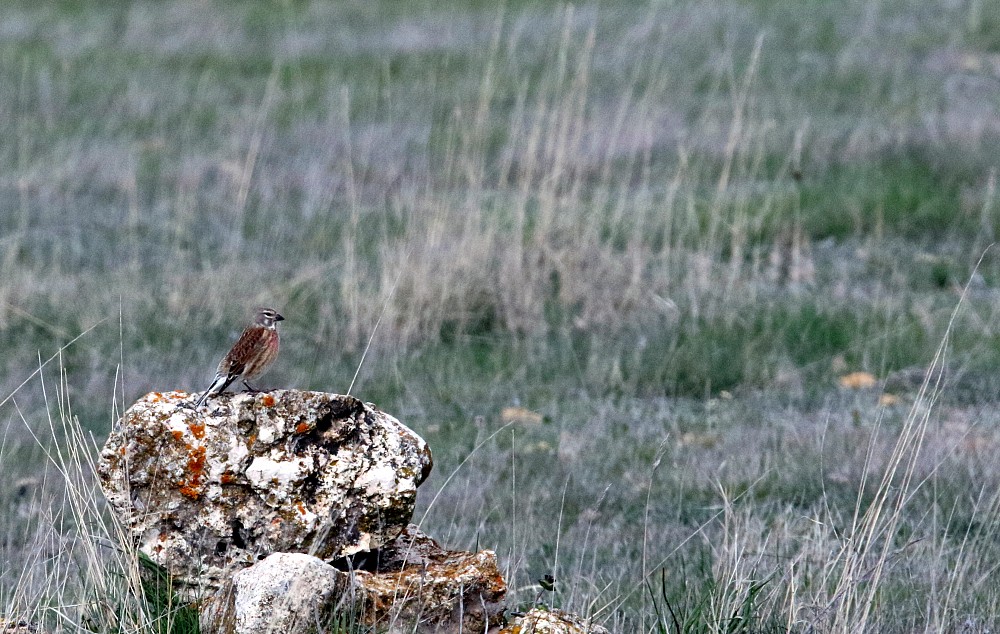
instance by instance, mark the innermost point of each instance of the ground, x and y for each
(611, 262)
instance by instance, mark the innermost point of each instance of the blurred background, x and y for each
(652, 278)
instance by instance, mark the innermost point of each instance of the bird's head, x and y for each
(267, 317)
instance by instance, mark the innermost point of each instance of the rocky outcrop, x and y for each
(289, 512)
(413, 585)
(207, 492)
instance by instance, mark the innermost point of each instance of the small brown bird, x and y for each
(256, 348)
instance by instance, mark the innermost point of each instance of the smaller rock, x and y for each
(285, 592)
(539, 621)
(17, 626)
(415, 581)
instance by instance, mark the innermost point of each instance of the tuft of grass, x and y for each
(906, 196)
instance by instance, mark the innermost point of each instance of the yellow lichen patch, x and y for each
(706, 440)
(888, 400)
(857, 380)
(520, 415)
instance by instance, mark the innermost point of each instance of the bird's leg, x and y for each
(250, 388)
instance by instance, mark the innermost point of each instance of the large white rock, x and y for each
(208, 491)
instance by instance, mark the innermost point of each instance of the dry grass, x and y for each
(667, 228)
(882, 520)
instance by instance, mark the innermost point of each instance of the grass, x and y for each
(668, 228)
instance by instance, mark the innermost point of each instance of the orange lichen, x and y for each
(267, 400)
(302, 508)
(196, 463)
(301, 428)
(177, 434)
(198, 429)
(227, 478)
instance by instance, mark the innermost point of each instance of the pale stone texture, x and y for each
(285, 592)
(207, 492)
(539, 621)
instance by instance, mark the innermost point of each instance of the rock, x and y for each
(207, 492)
(413, 585)
(18, 626)
(285, 592)
(539, 621)
(415, 581)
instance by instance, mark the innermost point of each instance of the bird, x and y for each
(256, 348)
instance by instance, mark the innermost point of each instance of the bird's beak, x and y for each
(278, 317)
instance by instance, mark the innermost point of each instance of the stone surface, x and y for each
(207, 492)
(285, 592)
(412, 586)
(18, 626)
(539, 621)
(415, 581)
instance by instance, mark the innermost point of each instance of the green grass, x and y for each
(906, 196)
(669, 228)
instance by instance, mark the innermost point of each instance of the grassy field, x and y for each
(611, 261)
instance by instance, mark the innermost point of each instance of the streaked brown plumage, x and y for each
(256, 348)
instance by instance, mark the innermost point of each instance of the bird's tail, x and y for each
(202, 398)
(217, 386)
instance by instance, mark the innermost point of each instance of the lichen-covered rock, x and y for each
(215, 489)
(415, 581)
(539, 621)
(411, 586)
